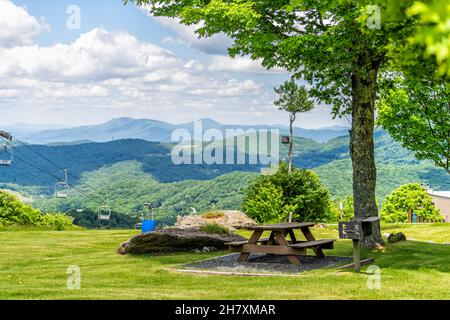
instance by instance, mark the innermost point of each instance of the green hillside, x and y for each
(129, 187)
(133, 172)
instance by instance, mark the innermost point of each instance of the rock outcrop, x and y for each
(173, 240)
(230, 219)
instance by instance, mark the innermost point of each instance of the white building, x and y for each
(441, 200)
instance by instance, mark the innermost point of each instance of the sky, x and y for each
(82, 62)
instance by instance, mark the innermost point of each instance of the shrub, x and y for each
(212, 215)
(265, 203)
(214, 228)
(15, 213)
(406, 198)
(270, 198)
(56, 221)
(348, 211)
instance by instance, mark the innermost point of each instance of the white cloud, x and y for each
(104, 74)
(239, 64)
(217, 44)
(96, 55)
(62, 90)
(17, 27)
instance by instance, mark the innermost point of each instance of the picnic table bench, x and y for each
(277, 243)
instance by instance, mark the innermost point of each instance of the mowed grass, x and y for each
(33, 265)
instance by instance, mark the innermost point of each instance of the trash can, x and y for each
(414, 218)
(148, 225)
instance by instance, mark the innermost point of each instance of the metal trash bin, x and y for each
(148, 225)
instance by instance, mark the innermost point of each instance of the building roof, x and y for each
(444, 194)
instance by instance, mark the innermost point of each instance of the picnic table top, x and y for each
(283, 226)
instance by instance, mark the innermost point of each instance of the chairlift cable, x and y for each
(57, 166)
(38, 153)
(28, 161)
(54, 164)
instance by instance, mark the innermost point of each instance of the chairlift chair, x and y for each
(62, 188)
(104, 212)
(6, 155)
(6, 152)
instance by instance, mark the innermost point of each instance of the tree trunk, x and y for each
(291, 142)
(364, 82)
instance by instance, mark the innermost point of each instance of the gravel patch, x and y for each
(264, 263)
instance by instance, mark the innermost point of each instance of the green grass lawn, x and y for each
(33, 266)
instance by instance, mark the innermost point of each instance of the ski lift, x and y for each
(6, 152)
(62, 187)
(6, 155)
(104, 211)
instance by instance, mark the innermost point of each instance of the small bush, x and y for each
(56, 221)
(15, 213)
(271, 198)
(212, 215)
(214, 228)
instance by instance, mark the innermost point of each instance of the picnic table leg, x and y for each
(279, 237)
(310, 237)
(253, 240)
(271, 239)
(292, 235)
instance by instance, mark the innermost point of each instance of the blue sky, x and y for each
(124, 62)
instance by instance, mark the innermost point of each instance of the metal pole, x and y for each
(356, 255)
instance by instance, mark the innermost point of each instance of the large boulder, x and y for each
(172, 240)
(231, 219)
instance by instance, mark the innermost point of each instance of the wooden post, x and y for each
(356, 255)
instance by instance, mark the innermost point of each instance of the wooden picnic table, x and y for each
(278, 244)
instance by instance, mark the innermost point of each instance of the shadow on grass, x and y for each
(414, 255)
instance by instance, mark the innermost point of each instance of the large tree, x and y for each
(339, 47)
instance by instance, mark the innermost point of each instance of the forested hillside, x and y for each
(132, 172)
(128, 187)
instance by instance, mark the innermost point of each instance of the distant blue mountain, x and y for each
(158, 131)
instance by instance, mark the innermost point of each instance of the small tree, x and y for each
(409, 198)
(302, 193)
(417, 114)
(293, 99)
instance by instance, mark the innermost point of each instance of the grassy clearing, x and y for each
(33, 266)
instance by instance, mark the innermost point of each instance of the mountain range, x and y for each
(150, 130)
(133, 171)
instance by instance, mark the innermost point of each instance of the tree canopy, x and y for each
(417, 114)
(339, 47)
(409, 197)
(293, 98)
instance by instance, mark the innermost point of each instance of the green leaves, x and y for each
(14, 212)
(293, 98)
(417, 114)
(409, 197)
(435, 31)
(272, 198)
